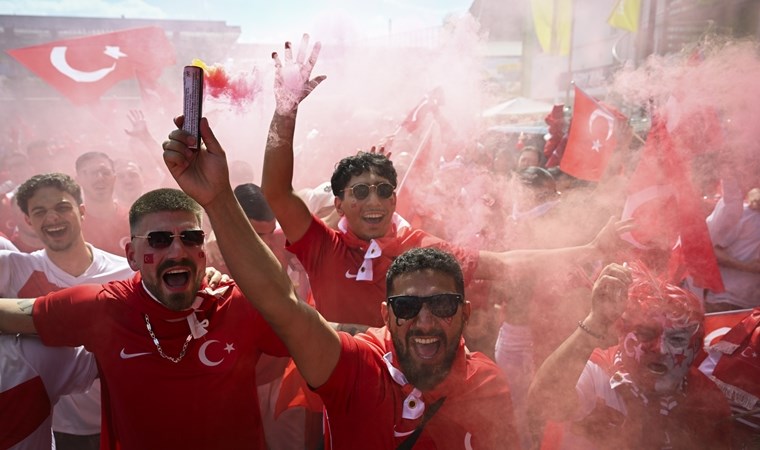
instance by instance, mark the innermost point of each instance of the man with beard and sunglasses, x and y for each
(643, 393)
(346, 267)
(410, 384)
(176, 358)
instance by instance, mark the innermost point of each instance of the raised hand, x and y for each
(202, 173)
(609, 296)
(291, 78)
(608, 241)
(380, 151)
(139, 126)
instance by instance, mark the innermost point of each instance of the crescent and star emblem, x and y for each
(58, 60)
(599, 113)
(229, 348)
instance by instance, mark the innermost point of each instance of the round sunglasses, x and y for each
(163, 239)
(360, 191)
(441, 305)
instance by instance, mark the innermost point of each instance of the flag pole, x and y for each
(423, 142)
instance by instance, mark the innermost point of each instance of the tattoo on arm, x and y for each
(25, 305)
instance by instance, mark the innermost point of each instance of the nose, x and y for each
(425, 319)
(176, 249)
(51, 215)
(660, 345)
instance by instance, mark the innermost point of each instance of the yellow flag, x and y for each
(626, 15)
(553, 20)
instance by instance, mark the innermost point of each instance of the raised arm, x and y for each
(146, 151)
(203, 174)
(552, 393)
(291, 86)
(514, 263)
(16, 315)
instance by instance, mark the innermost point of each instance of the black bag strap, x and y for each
(426, 416)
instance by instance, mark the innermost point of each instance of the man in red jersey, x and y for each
(346, 267)
(644, 392)
(410, 384)
(177, 358)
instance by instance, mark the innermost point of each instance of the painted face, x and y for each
(426, 345)
(56, 218)
(658, 357)
(97, 179)
(172, 274)
(371, 217)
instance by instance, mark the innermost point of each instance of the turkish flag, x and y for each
(718, 324)
(667, 212)
(592, 137)
(429, 104)
(84, 68)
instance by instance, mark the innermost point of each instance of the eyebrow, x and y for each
(62, 202)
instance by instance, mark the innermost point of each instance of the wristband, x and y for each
(588, 330)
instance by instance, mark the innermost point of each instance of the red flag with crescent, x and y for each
(592, 137)
(667, 211)
(84, 68)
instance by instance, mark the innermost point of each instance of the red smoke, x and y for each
(240, 89)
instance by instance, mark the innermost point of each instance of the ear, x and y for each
(82, 210)
(338, 205)
(27, 220)
(384, 312)
(466, 310)
(129, 251)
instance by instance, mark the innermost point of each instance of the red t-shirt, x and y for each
(333, 264)
(364, 404)
(207, 400)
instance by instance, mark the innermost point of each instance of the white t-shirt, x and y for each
(28, 275)
(32, 379)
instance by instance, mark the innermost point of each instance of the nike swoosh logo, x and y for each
(125, 355)
(349, 274)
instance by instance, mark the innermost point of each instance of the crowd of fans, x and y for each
(472, 297)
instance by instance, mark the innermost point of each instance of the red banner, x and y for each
(667, 211)
(84, 68)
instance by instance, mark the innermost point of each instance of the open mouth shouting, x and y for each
(657, 368)
(176, 278)
(427, 347)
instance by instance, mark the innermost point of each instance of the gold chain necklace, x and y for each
(158, 345)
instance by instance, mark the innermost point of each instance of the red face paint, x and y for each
(201, 255)
(148, 258)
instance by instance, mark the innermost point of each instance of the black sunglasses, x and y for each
(361, 191)
(163, 239)
(441, 305)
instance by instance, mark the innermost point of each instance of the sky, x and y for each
(261, 21)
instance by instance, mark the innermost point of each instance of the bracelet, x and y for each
(583, 327)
